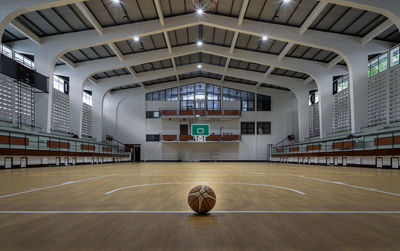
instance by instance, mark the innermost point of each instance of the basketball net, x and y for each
(200, 138)
(207, 5)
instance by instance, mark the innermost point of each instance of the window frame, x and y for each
(245, 128)
(162, 95)
(266, 125)
(152, 115)
(153, 137)
(261, 99)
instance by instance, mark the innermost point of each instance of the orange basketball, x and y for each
(201, 199)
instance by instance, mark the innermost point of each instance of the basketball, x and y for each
(201, 199)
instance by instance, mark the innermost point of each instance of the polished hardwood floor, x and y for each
(143, 206)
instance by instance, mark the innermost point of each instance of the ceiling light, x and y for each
(286, 1)
(199, 66)
(265, 38)
(200, 11)
(116, 1)
(199, 43)
(136, 38)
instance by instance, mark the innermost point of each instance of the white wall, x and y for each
(127, 123)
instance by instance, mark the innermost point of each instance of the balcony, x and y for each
(17, 142)
(209, 114)
(214, 138)
(376, 144)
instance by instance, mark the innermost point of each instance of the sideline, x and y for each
(347, 185)
(54, 186)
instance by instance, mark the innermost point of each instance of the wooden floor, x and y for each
(143, 206)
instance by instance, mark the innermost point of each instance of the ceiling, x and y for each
(68, 18)
(334, 18)
(197, 74)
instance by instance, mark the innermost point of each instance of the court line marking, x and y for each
(180, 183)
(191, 212)
(55, 186)
(192, 171)
(347, 185)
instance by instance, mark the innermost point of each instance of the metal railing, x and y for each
(225, 137)
(375, 141)
(200, 113)
(48, 142)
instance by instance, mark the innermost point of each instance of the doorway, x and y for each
(137, 153)
(184, 129)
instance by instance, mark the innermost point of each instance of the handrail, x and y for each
(45, 141)
(348, 137)
(370, 141)
(55, 137)
(200, 112)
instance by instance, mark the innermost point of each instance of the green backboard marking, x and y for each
(200, 130)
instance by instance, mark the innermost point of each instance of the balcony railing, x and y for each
(15, 141)
(200, 113)
(369, 143)
(227, 137)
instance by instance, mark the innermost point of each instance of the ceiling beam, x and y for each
(159, 11)
(388, 8)
(231, 50)
(26, 32)
(308, 80)
(107, 84)
(304, 27)
(377, 31)
(228, 61)
(68, 62)
(285, 51)
(334, 62)
(167, 41)
(269, 71)
(93, 80)
(132, 72)
(242, 12)
(266, 75)
(89, 16)
(311, 18)
(58, 45)
(113, 63)
(234, 40)
(116, 51)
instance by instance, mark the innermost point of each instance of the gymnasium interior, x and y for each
(199, 125)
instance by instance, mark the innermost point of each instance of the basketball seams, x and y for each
(201, 199)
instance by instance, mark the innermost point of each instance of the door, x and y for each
(379, 162)
(24, 162)
(8, 162)
(395, 163)
(184, 129)
(137, 154)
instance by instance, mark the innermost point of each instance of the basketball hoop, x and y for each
(206, 5)
(200, 138)
(200, 132)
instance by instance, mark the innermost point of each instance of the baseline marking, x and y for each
(192, 171)
(54, 186)
(347, 185)
(180, 183)
(191, 212)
